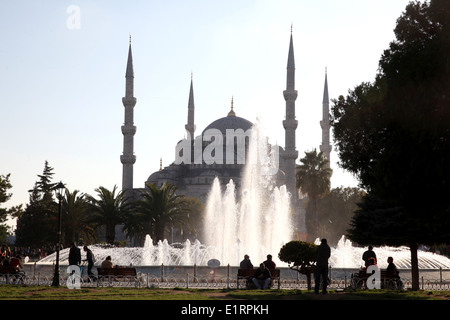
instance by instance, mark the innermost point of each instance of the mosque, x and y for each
(193, 174)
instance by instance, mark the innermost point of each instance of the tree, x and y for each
(159, 207)
(313, 178)
(5, 185)
(37, 223)
(394, 133)
(335, 211)
(109, 210)
(193, 222)
(301, 257)
(45, 184)
(75, 218)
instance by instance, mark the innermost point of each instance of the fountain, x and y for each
(186, 253)
(345, 255)
(255, 221)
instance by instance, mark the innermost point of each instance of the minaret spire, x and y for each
(190, 126)
(325, 147)
(128, 129)
(290, 154)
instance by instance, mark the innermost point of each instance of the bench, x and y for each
(248, 274)
(119, 274)
(388, 279)
(8, 271)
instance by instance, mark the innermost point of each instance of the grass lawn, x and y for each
(179, 303)
(13, 292)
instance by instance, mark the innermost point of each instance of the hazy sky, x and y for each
(63, 64)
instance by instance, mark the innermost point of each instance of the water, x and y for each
(254, 221)
(346, 255)
(186, 253)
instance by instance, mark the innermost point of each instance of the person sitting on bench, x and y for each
(262, 277)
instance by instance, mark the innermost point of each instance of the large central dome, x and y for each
(229, 122)
(225, 140)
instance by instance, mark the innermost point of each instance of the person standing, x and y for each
(74, 255)
(369, 257)
(323, 254)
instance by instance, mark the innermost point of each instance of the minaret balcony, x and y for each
(290, 124)
(325, 124)
(326, 149)
(128, 130)
(129, 101)
(290, 95)
(289, 154)
(128, 159)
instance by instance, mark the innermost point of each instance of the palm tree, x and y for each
(160, 206)
(75, 218)
(109, 210)
(313, 178)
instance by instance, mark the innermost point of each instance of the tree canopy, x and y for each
(313, 178)
(300, 256)
(394, 134)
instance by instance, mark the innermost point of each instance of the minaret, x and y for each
(190, 126)
(128, 129)
(325, 147)
(290, 154)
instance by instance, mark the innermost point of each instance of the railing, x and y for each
(339, 280)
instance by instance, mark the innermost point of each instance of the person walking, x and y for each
(323, 254)
(90, 260)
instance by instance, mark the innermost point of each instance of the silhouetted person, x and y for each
(90, 261)
(323, 254)
(367, 255)
(391, 266)
(392, 269)
(246, 263)
(74, 255)
(262, 277)
(16, 262)
(269, 262)
(107, 263)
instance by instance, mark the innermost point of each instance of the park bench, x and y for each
(248, 274)
(117, 274)
(388, 279)
(9, 272)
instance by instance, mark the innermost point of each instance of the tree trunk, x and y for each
(110, 233)
(159, 232)
(308, 280)
(414, 266)
(316, 216)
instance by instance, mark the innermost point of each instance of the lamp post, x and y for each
(59, 190)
